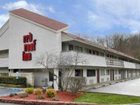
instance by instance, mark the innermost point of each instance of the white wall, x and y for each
(129, 65)
(90, 80)
(4, 36)
(4, 62)
(89, 60)
(47, 41)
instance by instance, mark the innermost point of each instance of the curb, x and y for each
(40, 102)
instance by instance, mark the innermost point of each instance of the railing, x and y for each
(137, 66)
(101, 61)
(114, 62)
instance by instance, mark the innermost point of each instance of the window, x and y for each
(70, 47)
(79, 72)
(102, 72)
(79, 49)
(107, 72)
(90, 73)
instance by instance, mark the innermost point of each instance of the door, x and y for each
(98, 76)
(111, 75)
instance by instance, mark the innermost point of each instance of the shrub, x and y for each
(29, 90)
(38, 91)
(12, 80)
(76, 83)
(50, 93)
(23, 95)
(12, 94)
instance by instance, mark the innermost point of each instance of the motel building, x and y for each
(26, 36)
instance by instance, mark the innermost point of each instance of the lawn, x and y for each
(105, 98)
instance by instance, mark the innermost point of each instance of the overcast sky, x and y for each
(87, 17)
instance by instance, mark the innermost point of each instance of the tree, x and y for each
(76, 83)
(126, 43)
(65, 62)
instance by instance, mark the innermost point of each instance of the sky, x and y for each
(84, 17)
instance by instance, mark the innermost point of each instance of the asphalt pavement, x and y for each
(131, 87)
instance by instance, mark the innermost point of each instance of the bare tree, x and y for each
(65, 62)
(48, 61)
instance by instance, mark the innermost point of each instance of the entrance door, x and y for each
(111, 75)
(98, 76)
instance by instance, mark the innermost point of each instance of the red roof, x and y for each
(45, 21)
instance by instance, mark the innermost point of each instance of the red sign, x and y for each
(29, 46)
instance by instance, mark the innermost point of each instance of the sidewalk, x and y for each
(104, 84)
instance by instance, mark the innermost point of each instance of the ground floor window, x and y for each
(91, 72)
(107, 72)
(78, 72)
(102, 72)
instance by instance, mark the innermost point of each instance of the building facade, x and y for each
(26, 36)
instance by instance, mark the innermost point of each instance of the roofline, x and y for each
(83, 40)
(40, 25)
(61, 29)
(4, 27)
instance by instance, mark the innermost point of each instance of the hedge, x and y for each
(76, 83)
(12, 80)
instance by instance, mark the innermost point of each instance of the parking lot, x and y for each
(131, 87)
